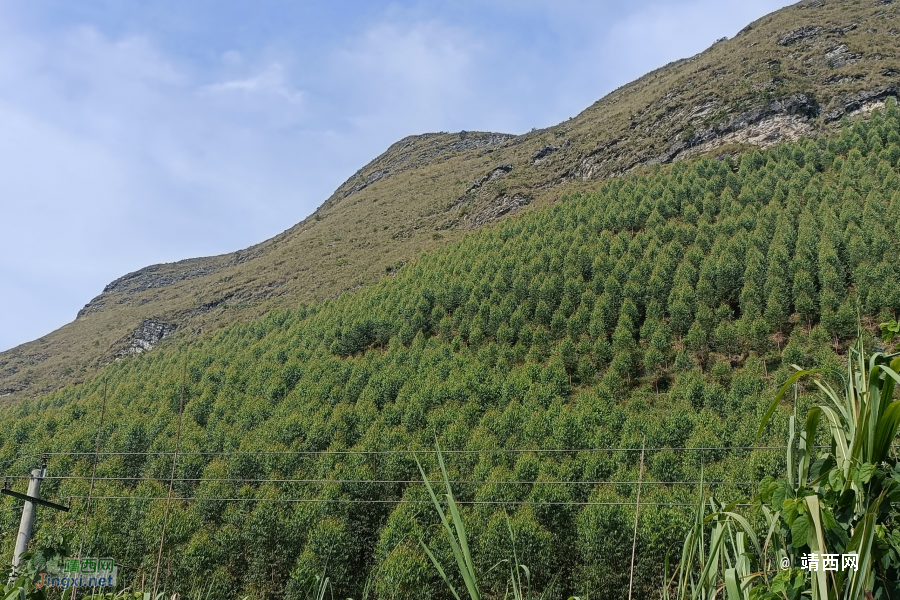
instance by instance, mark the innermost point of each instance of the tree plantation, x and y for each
(661, 310)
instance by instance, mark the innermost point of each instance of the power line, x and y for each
(390, 452)
(385, 481)
(357, 501)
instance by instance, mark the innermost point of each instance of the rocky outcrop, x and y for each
(543, 153)
(841, 56)
(164, 275)
(801, 33)
(492, 175)
(415, 151)
(853, 103)
(155, 276)
(500, 206)
(148, 334)
(782, 119)
(370, 179)
(769, 131)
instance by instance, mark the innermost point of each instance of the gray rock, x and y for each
(804, 106)
(840, 56)
(370, 179)
(843, 30)
(147, 335)
(857, 101)
(500, 206)
(495, 173)
(799, 34)
(543, 153)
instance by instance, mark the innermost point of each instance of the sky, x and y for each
(134, 133)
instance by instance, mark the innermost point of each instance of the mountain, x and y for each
(794, 73)
(585, 301)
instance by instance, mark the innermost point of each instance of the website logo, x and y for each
(82, 572)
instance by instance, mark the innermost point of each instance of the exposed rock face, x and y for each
(148, 334)
(499, 207)
(543, 153)
(861, 101)
(164, 275)
(840, 56)
(763, 126)
(845, 29)
(799, 34)
(494, 174)
(370, 179)
(153, 277)
(468, 141)
(771, 130)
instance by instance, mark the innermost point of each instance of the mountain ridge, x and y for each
(793, 73)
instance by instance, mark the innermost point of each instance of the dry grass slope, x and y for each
(793, 73)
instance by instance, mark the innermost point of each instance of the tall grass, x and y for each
(835, 500)
(456, 534)
(451, 520)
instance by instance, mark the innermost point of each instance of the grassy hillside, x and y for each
(660, 308)
(792, 74)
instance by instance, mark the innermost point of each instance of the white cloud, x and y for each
(269, 81)
(411, 76)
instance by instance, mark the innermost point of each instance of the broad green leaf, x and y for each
(865, 473)
(800, 531)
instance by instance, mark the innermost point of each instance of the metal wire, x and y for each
(401, 481)
(398, 481)
(389, 452)
(355, 501)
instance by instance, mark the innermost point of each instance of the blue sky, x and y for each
(139, 132)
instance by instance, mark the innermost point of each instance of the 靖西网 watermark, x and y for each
(82, 572)
(825, 562)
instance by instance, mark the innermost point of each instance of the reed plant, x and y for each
(835, 500)
(520, 583)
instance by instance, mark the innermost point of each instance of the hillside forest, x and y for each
(661, 310)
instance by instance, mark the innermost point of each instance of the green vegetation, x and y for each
(838, 501)
(664, 306)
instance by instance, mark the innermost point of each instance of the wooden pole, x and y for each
(637, 508)
(162, 538)
(87, 509)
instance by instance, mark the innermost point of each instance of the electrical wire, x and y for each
(356, 501)
(392, 452)
(395, 481)
(384, 481)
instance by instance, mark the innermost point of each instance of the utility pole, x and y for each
(637, 508)
(32, 499)
(34, 490)
(162, 538)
